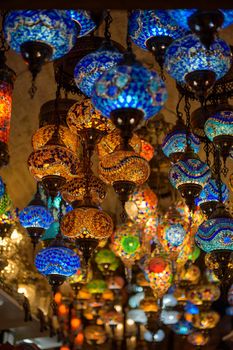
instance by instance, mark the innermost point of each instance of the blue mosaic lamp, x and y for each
(127, 93)
(189, 62)
(2, 187)
(219, 129)
(216, 233)
(57, 262)
(204, 23)
(182, 327)
(191, 308)
(36, 218)
(175, 142)
(92, 66)
(51, 233)
(44, 35)
(189, 176)
(154, 30)
(209, 196)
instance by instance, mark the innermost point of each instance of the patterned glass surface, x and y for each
(5, 110)
(52, 27)
(175, 142)
(219, 124)
(182, 16)
(215, 234)
(92, 66)
(51, 232)
(146, 24)
(188, 54)
(126, 86)
(2, 187)
(182, 327)
(36, 216)
(189, 171)
(210, 192)
(57, 261)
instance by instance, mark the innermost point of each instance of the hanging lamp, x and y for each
(36, 218)
(41, 36)
(154, 30)
(189, 62)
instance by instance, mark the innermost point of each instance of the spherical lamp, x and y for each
(154, 30)
(198, 339)
(219, 129)
(107, 261)
(189, 176)
(188, 61)
(182, 327)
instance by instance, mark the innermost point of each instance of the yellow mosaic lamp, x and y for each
(198, 338)
(87, 226)
(109, 143)
(206, 320)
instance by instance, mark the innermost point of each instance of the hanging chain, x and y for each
(178, 112)
(128, 41)
(108, 21)
(187, 108)
(207, 151)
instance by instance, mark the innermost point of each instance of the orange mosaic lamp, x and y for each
(53, 164)
(87, 226)
(142, 204)
(7, 78)
(83, 119)
(65, 137)
(109, 143)
(75, 190)
(206, 320)
(198, 338)
(147, 150)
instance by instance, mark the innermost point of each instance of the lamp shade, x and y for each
(182, 327)
(57, 261)
(169, 317)
(182, 16)
(198, 338)
(91, 67)
(36, 216)
(188, 54)
(129, 87)
(210, 193)
(54, 28)
(215, 234)
(147, 24)
(137, 315)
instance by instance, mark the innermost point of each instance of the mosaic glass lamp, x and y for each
(126, 243)
(42, 136)
(159, 272)
(95, 335)
(198, 338)
(206, 320)
(169, 317)
(172, 233)
(147, 150)
(128, 93)
(174, 143)
(109, 143)
(182, 327)
(142, 204)
(189, 62)
(137, 315)
(216, 233)
(36, 218)
(44, 35)
(87, 226)
(189, 175)
(57, 262)
(154, 30)
(107, 261)
(209, 196)
(51, 233)
(220, 263)
(91, 67)
(75, 190)
(134, 300)
(83, 119)
(182, 16)
(53, 164)
(2, 187)
(156, 337)
(124, 170)
(7, 78)
(169, 301)
(219, 129)
(5, 203)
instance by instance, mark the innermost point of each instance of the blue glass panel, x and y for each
(36, 216)
(210, 192)
(219, 124)
(175, 142)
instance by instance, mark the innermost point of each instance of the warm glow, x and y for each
(130, 322)
(79, 339)
(62, 310)
(75, 323)
(5, 111)
(23, 290)
(64, 347)
(16, 236)
(58, 298)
